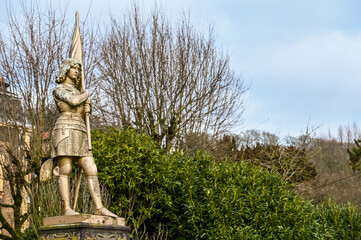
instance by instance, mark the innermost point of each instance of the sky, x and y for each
(301, 58)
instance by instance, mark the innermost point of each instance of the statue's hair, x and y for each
(67, 64)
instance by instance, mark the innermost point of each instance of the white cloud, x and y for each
(317, 77)
(330, 56)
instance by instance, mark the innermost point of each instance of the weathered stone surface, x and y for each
(84, 227)
(83, 218)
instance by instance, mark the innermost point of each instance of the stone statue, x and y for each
(70, 142)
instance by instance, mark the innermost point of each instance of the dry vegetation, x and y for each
(335, 179)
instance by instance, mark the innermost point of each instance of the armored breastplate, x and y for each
(69, 92)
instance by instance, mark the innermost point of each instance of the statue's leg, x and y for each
(65, 169)
(91, 172)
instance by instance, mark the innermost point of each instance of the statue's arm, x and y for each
(72, 100)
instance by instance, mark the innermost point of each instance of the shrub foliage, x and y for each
(195, 197)
(355, 155)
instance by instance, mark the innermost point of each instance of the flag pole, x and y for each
(77, 53)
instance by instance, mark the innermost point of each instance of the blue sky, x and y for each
(302, 58)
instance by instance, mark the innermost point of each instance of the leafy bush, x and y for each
(232, 200)
(131, 166)
(340, 221)
(28, 234)
(195, 197)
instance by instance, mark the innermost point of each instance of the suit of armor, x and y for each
(69, 142)
(69, 133)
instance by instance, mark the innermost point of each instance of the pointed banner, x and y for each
(76, 51)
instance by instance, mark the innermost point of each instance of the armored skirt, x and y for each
(69, 136)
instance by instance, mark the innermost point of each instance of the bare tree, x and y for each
(252, 137)
(32, 48)
(167, 82)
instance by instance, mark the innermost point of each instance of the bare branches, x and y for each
(31, 51)
(167, 82)
(29, 60)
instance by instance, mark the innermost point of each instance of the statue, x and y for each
(71, 134)
(70, 141)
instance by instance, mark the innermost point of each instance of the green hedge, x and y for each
(340, 221)
(196, 197)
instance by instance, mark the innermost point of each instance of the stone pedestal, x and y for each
(84, 227)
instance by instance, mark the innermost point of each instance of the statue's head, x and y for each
(67, 64)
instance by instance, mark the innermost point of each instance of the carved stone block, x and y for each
(84, 227)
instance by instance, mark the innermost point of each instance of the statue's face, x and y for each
(74, 73)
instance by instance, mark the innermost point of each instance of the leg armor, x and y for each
(91, 172)
(64, 184)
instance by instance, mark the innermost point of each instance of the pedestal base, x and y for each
(84, 227)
